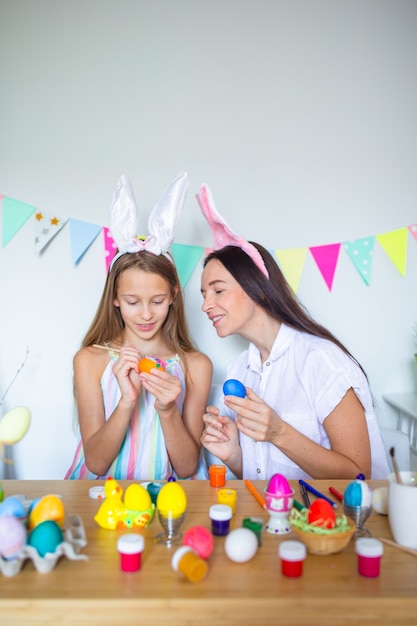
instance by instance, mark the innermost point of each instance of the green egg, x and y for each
(45, 537)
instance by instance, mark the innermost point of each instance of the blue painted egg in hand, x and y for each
(233, 387)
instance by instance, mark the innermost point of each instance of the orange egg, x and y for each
(147, 363)
(46, 508)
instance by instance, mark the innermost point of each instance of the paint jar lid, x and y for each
(220, 512)
(130, 544)
(292, 551)
(369, 547)
(97, 493)
(217, 469)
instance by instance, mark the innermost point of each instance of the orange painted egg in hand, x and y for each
(147, 363)
(321, 513)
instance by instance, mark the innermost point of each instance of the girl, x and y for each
(133, 425)
(308, 409)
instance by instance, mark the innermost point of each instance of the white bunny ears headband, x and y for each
(222, 233)
(123, 223)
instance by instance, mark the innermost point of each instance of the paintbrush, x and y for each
(395, 466)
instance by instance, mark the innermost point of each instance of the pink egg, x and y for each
(12, 536)
(278, 484)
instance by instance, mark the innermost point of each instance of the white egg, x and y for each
(241, 545)
(380, 500)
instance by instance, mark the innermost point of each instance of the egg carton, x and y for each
(74, 540)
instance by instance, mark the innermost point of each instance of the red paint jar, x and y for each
(369, 553)
(292, 555)
(130, 548)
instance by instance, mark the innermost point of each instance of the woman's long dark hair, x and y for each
(274, 295)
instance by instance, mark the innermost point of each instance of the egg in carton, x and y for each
(46, 542)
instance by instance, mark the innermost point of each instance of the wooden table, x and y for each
(96, 591)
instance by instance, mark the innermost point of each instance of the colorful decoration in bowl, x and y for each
(319, 528)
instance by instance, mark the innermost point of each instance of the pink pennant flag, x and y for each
(326, 259)
(110, 247)
(413, 230)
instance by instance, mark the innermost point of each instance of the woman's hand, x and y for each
(255, 418)
(220, 435)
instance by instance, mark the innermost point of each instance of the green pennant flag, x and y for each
(186, 259)
(15, 214)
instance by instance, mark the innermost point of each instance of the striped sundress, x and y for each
(143, 454)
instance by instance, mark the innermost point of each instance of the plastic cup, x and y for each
(187, 562)
(217, 475)
(229, 497)
(369, 553)
(292, 555)
(220, 515)
(402, 508)
(130, 548)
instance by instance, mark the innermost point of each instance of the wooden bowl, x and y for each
(324, 544)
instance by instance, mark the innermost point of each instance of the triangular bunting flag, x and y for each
(82, 235)
(291, 262)
(46, 227)
(413, 230)
(326, 260)
(15, 214)
(186, 259)
(110, 247)
(394, 245)
(360, 252)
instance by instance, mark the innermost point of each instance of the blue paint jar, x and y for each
(220, 515)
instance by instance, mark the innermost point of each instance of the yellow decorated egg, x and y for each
(171, 500)
(46, 537)
(137, 498)
(14, 425)
(47, 508)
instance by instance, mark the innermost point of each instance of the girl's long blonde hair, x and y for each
(108, 323)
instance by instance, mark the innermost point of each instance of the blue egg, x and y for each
(233, 387)
(13, 506)
(358, 493)
(46, 537)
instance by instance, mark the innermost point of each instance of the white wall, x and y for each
(301, 116)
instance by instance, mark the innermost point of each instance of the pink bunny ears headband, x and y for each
(124, 215)
(222, 233)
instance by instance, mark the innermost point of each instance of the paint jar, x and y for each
(220, 515)
(369, 553)
(187, 562)
(130, 548)
(217, 475)
(227, 496)
(255, 524)
(292, 555)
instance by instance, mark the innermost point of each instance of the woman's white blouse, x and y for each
(303, 380)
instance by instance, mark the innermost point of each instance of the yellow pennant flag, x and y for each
(394, 245)
(291, 262)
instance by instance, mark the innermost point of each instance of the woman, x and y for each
(308, 409)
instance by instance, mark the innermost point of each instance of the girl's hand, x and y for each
(165, 387)
(255, 418)
(126, 371)
(220, 435)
